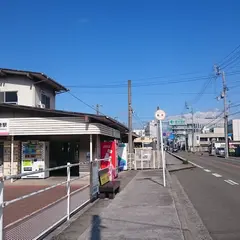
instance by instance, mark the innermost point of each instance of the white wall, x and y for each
(236, 129)
(29, 94)
(48, 93)
(24, 87)
(218, 130)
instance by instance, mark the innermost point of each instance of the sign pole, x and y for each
(160, 115)
(163, 156)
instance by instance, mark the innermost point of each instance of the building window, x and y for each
(45, 100)
(9, 97)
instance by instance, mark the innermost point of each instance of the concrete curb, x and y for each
(180, 169)
(185, 161)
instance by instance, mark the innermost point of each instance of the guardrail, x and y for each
(49, 216)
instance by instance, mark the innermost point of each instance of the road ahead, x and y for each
(214, 190)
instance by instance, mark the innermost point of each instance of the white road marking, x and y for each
(195, 164)
(216, 175)
(231, 182)
(235, 183)
(227, 181)
(207, 170)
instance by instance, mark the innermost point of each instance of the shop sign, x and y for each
(4, 126)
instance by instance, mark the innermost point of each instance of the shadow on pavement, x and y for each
(150, 179)
(96, 228)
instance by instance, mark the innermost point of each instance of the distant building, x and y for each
(139, 132)
(151, 129)
(202, 140)
(234, 129)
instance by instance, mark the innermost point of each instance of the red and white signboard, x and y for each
(4, 126)
(109, 152)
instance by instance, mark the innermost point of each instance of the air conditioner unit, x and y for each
(41, 105)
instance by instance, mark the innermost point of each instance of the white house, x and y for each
(27, 88)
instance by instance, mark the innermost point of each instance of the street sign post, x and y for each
(160, 115)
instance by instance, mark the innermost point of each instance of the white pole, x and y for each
(1, 209)
(68, 191)
(91, 164)
(162, 155)
(12, 155)
(91, 149)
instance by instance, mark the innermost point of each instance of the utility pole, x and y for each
(193, 144)
(97, 108)
(130, 149)
(158, 133)
(225, 108)
(225, 114)
(193, 128)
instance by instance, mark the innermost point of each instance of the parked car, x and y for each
(220, 151)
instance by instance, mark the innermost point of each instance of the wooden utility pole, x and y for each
(97, 109)
(130, 149)
(225, 114)
(224, 96)
(193, 130)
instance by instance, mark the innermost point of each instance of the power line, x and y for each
(88, 105)
(147, 84)
(138, 85)
(222, 62)
(138, 119)
(234, 113)
(234, 59)
(147, 93)
(197, 98)
(219, 115)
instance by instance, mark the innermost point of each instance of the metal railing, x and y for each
(49, 216)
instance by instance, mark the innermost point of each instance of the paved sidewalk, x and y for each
(143, 210)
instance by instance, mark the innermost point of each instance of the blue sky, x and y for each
(87, 43)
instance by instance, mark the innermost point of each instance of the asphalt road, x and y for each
(214, 190)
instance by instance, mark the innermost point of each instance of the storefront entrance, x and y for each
(1, 153)
(60, 154)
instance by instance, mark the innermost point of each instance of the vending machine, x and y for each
(109, 156)
(35, 157)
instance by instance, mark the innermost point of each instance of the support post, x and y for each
(1, 209)
(224, 96)
(12, 156)
(225, 113)
(163, 157)
(68, 190)
(158, 133)
(130, 150)
(91, 166)
(193, 144)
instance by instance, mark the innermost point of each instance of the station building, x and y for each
(34, 135)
